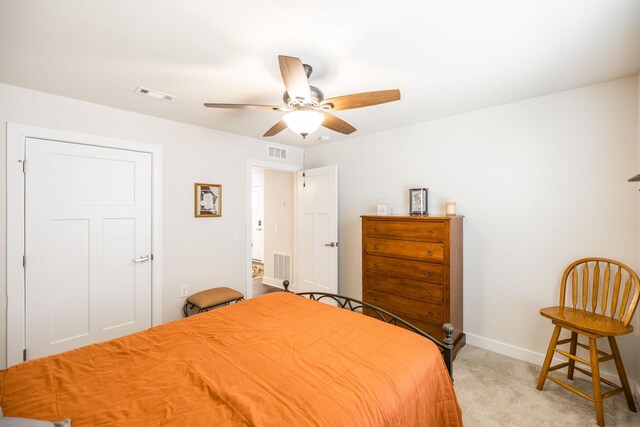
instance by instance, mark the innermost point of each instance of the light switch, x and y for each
(234, 236)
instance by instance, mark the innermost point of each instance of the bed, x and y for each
(275, 360)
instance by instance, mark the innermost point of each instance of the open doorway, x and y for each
(272, 229)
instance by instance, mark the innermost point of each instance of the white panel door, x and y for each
(87, 218)
(257, 222)
(318, 230)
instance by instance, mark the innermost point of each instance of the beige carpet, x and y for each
(495, 390)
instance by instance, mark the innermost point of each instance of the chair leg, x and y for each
(572, 349)
(622, 374)
(548, 357)
(595, 381)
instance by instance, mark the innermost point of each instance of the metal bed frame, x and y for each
(445, 347)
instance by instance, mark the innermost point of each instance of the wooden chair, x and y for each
(598, 309)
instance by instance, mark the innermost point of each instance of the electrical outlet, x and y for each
(184, 291)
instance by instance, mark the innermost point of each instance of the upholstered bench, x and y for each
(211, 298)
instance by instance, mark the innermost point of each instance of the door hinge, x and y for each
(24, 261)
(24, 165)
(24, 355)
(151, 257)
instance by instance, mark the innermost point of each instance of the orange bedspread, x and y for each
(275, 360)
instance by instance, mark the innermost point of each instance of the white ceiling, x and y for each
(446, 57)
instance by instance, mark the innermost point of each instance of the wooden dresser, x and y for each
(412, 267)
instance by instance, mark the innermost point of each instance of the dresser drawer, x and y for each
(405, 287)
(406, 307)
(433, 273)
(431, 328)
(421, 251)
(413, 230)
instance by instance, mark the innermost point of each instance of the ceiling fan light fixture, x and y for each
(303, 122)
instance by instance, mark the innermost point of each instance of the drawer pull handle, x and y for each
(429, 253)
(375, 247)
(430, 313)
(375, 229)
(430, 231)
(375, 264)
(375, 282)
(429, 273)
(429, 293)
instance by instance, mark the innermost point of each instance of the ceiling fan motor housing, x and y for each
(316, 94)
(316, 98)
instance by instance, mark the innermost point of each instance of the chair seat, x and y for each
(215, 296)
(587, 321)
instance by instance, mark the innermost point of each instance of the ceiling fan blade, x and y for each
(365, 99)
(276, 129)
(294, 77)
(244, 106)
(339, 125)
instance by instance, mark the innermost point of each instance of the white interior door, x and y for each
(87, 245)
(257, 222)
(318, 230)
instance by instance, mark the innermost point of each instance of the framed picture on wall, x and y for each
(419, 201)
(208, 200)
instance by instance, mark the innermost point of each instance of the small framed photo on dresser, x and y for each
(419, 201)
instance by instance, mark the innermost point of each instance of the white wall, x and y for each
(278, 218)
(197, 251)
(541, 182)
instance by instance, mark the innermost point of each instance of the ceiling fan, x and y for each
(305, 107)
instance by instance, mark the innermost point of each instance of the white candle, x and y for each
(450, 208)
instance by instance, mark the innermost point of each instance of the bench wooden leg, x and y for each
(595, 381)
(622, 373)
(548, 357)
(572, 349)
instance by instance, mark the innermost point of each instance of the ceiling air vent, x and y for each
(154, 94)
(277, 153)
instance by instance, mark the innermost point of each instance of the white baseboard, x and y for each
(536, 358)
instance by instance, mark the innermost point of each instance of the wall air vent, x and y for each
(154, 94)
(277, 152)
(281, 266)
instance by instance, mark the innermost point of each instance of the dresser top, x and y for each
(413, 217)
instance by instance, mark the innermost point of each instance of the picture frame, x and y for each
(419, 201)
(207, 200)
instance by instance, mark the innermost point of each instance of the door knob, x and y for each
(142, 259)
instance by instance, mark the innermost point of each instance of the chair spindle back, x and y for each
(615, 295)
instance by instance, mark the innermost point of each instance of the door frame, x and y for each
(16, 146)
(256, 163)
